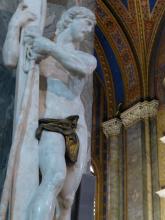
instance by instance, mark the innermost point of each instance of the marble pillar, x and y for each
(155, 168)
(112, 130)
(139, 161)
(161, 159)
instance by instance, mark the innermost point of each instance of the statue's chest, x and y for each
(58, 106)
(60, 89)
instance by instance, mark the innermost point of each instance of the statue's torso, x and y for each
(61, 97)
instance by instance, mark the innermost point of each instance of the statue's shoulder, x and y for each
(86, 57)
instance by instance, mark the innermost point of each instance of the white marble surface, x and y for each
(63, 98)
(22, 172)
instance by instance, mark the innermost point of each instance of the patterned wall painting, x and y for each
(129, 47)
(126, 32)
(157, 67)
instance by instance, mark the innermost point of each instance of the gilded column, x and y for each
(112, 130)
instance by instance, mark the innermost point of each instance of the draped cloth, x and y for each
(18, 183)
(22, 171)
(66, 127)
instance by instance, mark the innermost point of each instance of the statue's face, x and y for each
(80, 28)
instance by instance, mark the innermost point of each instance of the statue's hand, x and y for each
(22, 16)
(39, 45)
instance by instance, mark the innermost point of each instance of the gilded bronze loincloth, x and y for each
(66, 127)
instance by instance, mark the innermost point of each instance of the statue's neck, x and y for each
(65, 40)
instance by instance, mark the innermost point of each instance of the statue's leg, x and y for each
(53, 169)
(73, 178)
(67, 194)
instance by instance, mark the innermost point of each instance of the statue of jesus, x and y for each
(62, 131)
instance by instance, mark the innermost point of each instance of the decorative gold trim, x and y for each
(139, 111)
(110, 28)
(110, 90)
(112, 127)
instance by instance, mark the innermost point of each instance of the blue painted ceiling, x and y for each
(113, 64)
(125, 2)
(152, 4)
(120, 47)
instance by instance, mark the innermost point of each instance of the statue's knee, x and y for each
(56, 180)
(66, 201)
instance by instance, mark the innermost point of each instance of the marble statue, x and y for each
(64, 67)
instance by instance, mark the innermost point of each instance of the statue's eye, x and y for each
(89, 23)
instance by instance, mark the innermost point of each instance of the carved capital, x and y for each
(139, 111)
(112, 127)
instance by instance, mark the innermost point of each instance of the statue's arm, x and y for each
(76, 62)
(11, 45)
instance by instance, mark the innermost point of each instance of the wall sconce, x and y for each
(162, 139)
(161, 193)
(91, 169)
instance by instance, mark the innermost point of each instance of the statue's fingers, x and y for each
(36, 56)
(29, 36)
(29, 16)
(28, 40)
(32, 32)
(36, 50)
(32, 56)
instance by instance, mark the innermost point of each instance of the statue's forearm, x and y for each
(11, 46)
(72, 62)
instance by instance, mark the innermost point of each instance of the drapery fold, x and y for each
(22, 171)
(23, 138)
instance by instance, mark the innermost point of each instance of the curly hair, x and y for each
(71, 14)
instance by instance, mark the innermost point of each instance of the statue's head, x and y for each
(79, 20)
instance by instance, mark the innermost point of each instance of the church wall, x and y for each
(157, 90)
(144, 175)
(138, 166)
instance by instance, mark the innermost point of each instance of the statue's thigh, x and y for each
(52, 152)
(71, 183)
(75, 172)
